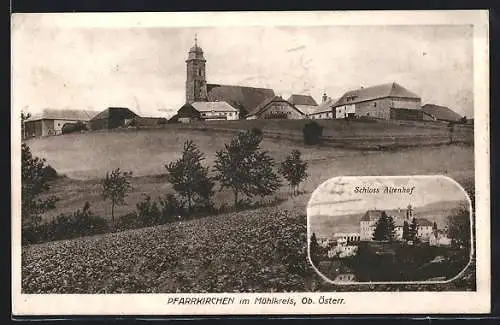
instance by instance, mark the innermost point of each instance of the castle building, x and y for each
(369, 220)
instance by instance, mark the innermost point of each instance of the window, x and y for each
(375, 104)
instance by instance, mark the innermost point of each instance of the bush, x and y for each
(49, 173)
(66, 226)
(73, 127)
(148, 212)
(312, 133)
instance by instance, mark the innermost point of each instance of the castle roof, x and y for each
(392, 89)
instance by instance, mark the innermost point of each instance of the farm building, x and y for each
(441, 113)
(386, 101)
(304, 103)
(206, 111)
(111, 118)
(51, 121)
(243, 99)
(276, 108)
(187, 114)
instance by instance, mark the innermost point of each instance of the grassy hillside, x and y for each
(252, 251)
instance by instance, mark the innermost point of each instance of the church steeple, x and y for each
(196, 84)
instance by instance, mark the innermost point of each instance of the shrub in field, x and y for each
(189, 178)
(170, 207)
(246, 169)
(294, 170)
(115, 187)
(73, 127)
(148, 212)
(34, 182)
(312, 133)
(66, 226)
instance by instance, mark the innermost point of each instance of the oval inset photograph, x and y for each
(393, 229)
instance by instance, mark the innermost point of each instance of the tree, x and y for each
(384, 228)
(459, 227)
(413, 234)
(435, 229)
(406, 231)
(188, 177)
(244, 168)
(293, 169)
(24, 117)
(34, 182)
(314, 249)
(115, 187)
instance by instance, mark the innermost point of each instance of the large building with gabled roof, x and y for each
(51, 121)
(385, 101)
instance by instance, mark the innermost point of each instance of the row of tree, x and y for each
(242, 166)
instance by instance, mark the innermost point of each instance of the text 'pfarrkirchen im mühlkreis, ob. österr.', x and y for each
(260, 300)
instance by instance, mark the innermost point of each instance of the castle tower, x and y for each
(196, 83)
(410, 212)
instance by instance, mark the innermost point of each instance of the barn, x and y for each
(276, 108)
(385, 101)
(51, 121)
(111, 118)
(305, 103)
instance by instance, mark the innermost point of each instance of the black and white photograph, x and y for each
(391, 229)
(186, 154)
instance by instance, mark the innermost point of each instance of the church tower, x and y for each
(196, 83)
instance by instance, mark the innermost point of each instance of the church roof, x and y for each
(392, 89)
(238, 96)
(302, 100)
(441, 113)
(213, 106)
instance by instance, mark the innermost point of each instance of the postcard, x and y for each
(250, 163)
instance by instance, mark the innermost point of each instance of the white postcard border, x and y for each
(355, 303)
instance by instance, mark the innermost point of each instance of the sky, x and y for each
(57, 65)
(337, 197)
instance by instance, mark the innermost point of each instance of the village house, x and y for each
(304, 103)
(275, 108)
(386, 101)
(323, 110)
(51, 121)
